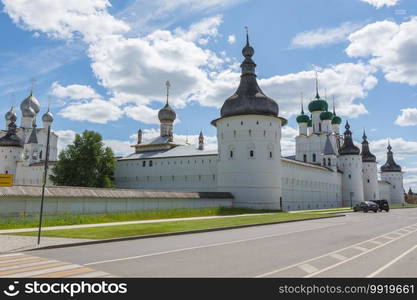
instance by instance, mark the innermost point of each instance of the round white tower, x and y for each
(391, 172)
(11, 147)
(350, 162)
(370, 172)
(248, 134)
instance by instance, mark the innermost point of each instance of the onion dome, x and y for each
(318, 104)
(249, 98)
(30, 102)
(303, 118)
(11, 115)
(336, 119)
(367, 156)
(48, 117)
(167, 113)
(28, 112)
(390, 165)
(326, 115)
(11, 139)
(348, 147)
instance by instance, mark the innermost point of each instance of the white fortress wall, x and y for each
(305, 186)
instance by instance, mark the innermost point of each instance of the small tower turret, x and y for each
(370, 171)
(139, 136)
(167, 117)
(201, 141)
(392, 173)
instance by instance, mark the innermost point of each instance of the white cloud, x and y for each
(65, 19)
(288, 135)
(402, 149)
(95, 111)
(347, 82)
(65, 137)
(142, 113)
(120, 148)
(324, 36)
(381, 3)
(73, 91)
(389, 46)
(231, 39)
(202, 30)
(408, 117)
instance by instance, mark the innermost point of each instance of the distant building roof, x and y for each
(178, 151)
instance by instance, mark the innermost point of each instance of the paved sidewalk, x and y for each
(11, 231)
(13, 243)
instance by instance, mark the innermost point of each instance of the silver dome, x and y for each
(11, 115)
(48, 117)
(167, 113)
(28, 112)
(31, 102)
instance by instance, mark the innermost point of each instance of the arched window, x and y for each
(251, 153)
(231, 153)
(305, 157)
(270, 154)
(144, 163)
(150, 163)
(314, 157)
(320, 127)
(324, 161)
(329, 162)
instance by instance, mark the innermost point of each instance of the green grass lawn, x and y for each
(404, 206)
(74, 219)
(109, 232)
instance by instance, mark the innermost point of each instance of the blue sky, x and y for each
(103, 64)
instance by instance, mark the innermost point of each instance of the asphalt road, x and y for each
(357, 245)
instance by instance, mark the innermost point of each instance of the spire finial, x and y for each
(247, 35)
(334, 108)
(33, 83)
(302, 103)
(317, 86)
(364, 135)
(49, 102)
(168, 86)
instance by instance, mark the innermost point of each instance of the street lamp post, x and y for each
(45, 174)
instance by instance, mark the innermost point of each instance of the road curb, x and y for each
(139, 237)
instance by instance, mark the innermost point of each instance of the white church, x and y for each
(23, 148)
(328, 169)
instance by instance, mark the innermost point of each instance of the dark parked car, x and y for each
(366, 206)
(382, 204)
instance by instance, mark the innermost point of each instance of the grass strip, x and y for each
(76, 219)
(108, 232)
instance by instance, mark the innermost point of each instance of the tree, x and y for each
(86, 162)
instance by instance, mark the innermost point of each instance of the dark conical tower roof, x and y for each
(390, 165)
(11, 139)
(348, 147)
(249, 98)
(367, 156)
